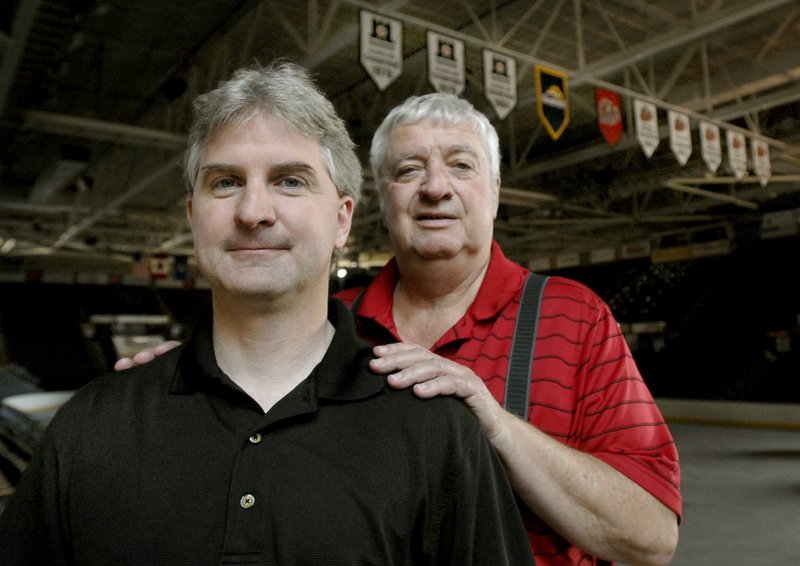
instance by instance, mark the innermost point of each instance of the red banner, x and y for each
(609, 115)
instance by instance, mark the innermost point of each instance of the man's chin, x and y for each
(443, 248)
(255, 285)
(440, 249)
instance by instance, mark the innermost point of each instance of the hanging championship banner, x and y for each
(710, 145)
(381, 48)
(646, 126)
(500, 82)
(737, 153)
(680, 136)
(609, 115)
(445, 63)
(761, 161)
(552, 100)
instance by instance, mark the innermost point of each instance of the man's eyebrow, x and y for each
(219, 168)
(292, 167)
(464, 149)
(457, 148)
(407, 156)
(275, 169)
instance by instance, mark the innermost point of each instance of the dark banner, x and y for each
(552, 100)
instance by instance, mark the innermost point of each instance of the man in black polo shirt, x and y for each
(265, 439)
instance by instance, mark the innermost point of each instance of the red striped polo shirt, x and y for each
(586, 389)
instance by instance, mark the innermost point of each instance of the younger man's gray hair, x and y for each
(285, 90)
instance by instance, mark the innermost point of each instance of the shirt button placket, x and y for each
(248, 499)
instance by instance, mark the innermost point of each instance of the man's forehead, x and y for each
(275, 138)
(260, 121)
(422, 137)
(461, 127)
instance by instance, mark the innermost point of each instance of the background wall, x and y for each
(730, 323)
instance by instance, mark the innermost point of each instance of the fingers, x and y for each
(393, 357)
(123, 363)
(408, 365)
(145, 356)
(165, 347)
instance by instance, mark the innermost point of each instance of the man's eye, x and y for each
(405, 172)
(292, 183)
(463, 169)
(224, 183)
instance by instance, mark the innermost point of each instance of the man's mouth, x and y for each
(252, 248)
(434, 216)
(256, 247)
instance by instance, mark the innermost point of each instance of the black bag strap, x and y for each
(520, 361)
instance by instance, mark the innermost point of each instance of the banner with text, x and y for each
(445, 63)
(710, 146)
(500, 82)
(646, 120)
(737, 153)
(762, 166)
(680, 136)
(381, 48)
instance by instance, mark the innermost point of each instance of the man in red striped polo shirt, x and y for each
(595, 467)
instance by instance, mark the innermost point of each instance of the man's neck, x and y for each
(267, 350)
(431, 296)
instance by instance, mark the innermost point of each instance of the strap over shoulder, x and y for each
(520, 360)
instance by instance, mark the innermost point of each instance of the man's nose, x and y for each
(437, 183)
(256, 205)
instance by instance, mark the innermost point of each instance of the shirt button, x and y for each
(255, 439)
(247, 501)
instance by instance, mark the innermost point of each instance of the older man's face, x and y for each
(439, 200)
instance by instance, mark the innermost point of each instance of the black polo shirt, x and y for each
(171, 463)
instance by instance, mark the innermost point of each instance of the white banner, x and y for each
(381, 48)
(680, 136)
(500, 82)
(761, 161)
(445, 63)
(737, 153)
(646, 126)
(710, 145)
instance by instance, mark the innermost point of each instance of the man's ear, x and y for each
(345, 214)
(189, 210)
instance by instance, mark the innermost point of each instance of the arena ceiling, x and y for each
(95, 100)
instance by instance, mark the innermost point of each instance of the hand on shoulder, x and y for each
(145, 356)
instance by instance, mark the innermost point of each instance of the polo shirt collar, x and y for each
(343, 373)
(501, 284)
